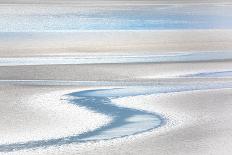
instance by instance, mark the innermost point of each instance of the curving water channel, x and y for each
(125, 121)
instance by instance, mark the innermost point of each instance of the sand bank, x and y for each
(113, 42)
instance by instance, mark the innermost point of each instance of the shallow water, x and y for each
(223, 74)
(147, 17)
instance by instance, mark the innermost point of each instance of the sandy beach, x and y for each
(195, 118)
(196, 121)
(89, 78)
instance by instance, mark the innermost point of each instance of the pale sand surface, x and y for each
(198, 124)
(110, 72)
(34, 113)
(206, 130)
(113, 42)
(115, 2)
(198, 121)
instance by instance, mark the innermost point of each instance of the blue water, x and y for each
(154, 17)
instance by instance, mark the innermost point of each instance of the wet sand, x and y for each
(32, 97)
(196, 119)
(113, 42)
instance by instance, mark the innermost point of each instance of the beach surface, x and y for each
(128, 89)
(195, 104)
